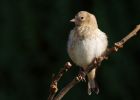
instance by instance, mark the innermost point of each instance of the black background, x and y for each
(33, 39)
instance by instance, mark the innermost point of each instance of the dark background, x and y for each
(33, 38)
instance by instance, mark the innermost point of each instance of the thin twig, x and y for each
(56, 78)
(120, 44)
(66, 89)
(130, 35)
(96, 63)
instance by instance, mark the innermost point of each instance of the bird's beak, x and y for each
(72, 20)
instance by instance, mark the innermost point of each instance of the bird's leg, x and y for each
(81, 75)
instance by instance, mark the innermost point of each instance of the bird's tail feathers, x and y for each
(92, 86)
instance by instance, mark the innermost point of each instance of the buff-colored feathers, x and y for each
(85, 43)
(85, 18)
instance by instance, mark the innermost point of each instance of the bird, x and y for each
(85, 43)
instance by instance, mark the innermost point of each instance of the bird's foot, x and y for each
(81, 77)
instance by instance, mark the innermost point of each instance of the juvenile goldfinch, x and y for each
(86, 42)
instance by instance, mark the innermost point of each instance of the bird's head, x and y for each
(84, 18)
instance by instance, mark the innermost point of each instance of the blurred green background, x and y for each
(33, 38)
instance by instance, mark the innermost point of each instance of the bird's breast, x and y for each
(82, 50)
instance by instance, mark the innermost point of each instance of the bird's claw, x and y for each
(81, 77)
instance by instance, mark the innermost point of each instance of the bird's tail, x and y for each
(92, 87)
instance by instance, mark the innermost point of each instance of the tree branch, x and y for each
(96, 63)
(56, 78)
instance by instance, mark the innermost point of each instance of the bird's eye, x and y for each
(82, 17)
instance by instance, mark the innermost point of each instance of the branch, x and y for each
(55, 79)
(96, 63)
(76, 80)
(120, 44)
